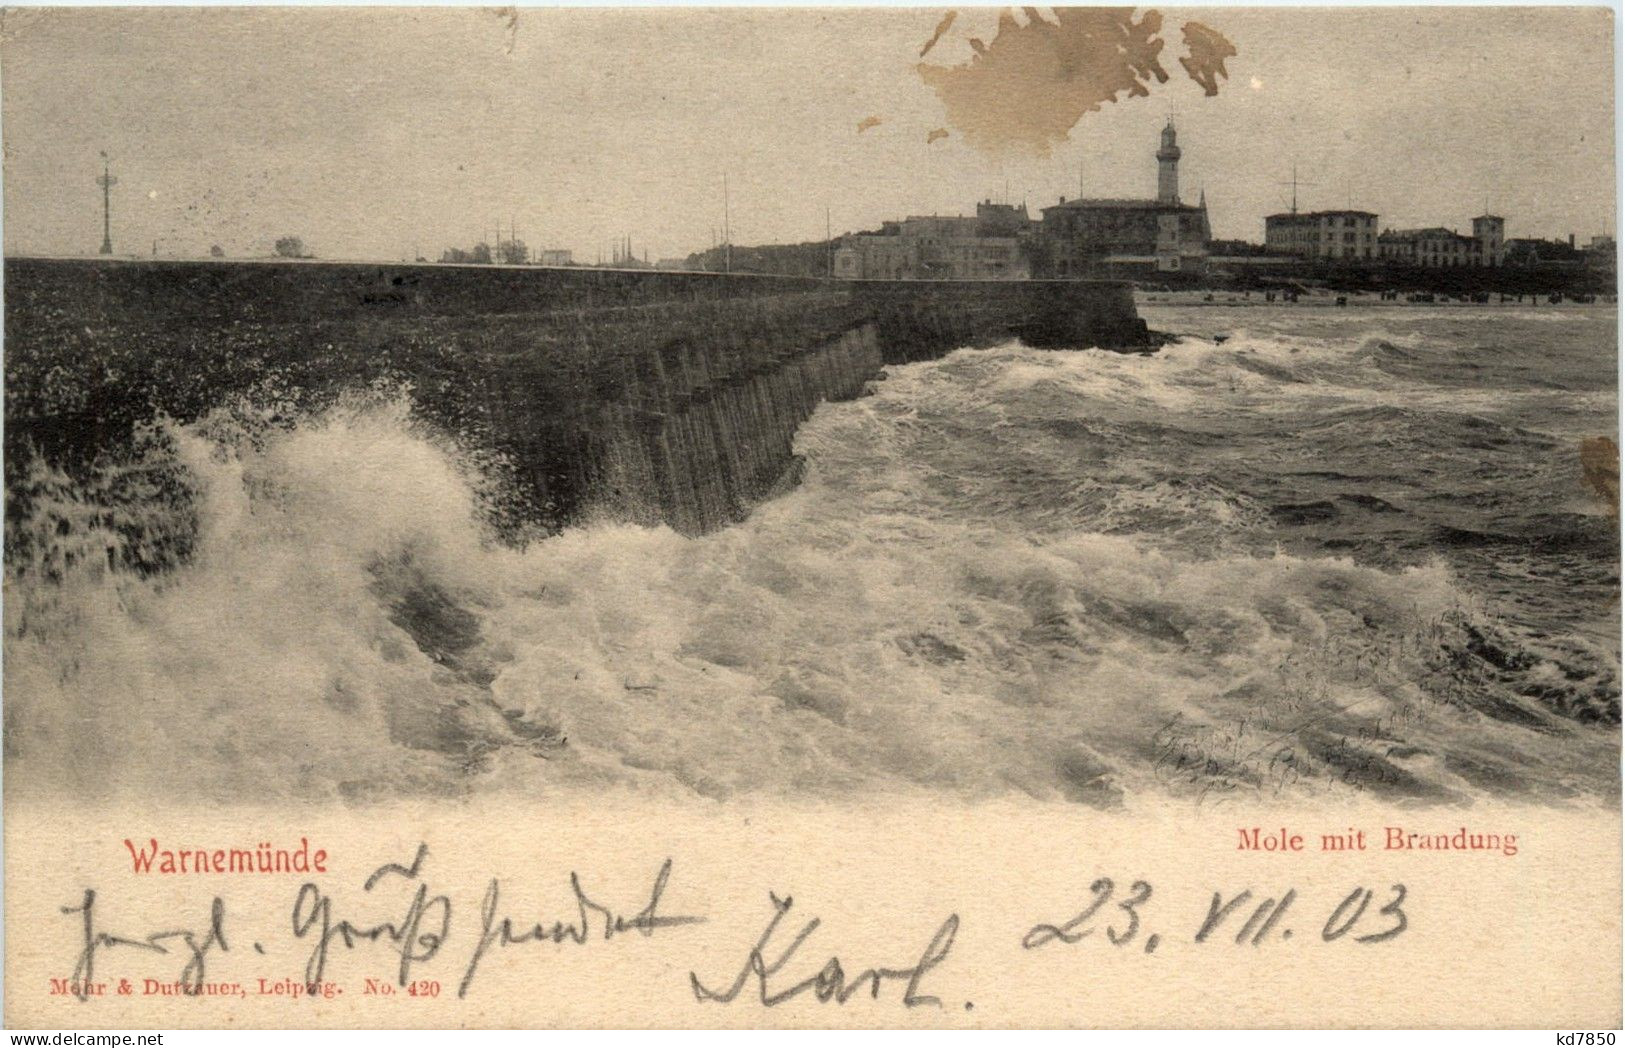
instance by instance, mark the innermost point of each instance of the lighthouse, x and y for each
(1168, 168)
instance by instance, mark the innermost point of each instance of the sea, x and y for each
(1299, 554)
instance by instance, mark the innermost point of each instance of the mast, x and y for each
(107, 182)
(1295, 184)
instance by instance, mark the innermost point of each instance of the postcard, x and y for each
(811, 517)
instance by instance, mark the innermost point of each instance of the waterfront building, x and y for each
(1338, 235)
(1490, 233)
(554, 257)
(1533, 251)
(1601, 254)
(1436, 247)
(988, 246)
(1091, 236)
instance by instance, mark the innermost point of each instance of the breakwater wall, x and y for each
(652, 396)
(923, 319)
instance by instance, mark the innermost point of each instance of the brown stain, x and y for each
(1026, 89)
(510, 17)
(867, 122)
(1206, 49)
(1599, 464)
(942, 27)
(939, 133)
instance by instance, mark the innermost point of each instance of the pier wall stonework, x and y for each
(649, 396)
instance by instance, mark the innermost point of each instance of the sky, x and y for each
(381, 133)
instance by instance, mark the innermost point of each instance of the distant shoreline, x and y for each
(1236, 300)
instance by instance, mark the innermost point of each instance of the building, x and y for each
(989, 246)
(1601, 253)
(1490, 231)
(1436, 247)
(1432, 247)
(1532, 251)
(1075, 238)
(1092, 236)
(554, 257)
(1337, 235)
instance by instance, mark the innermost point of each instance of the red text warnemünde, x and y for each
(261, 858)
